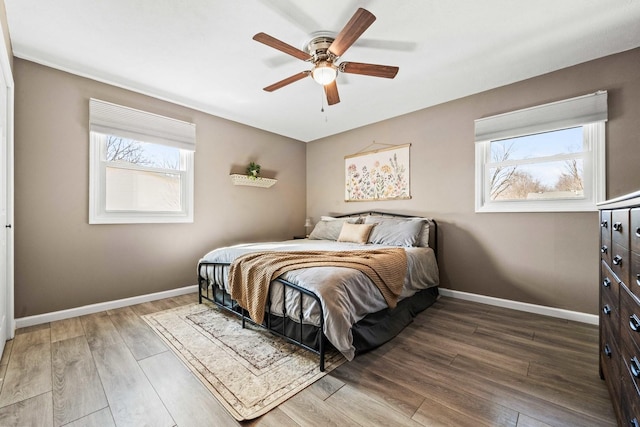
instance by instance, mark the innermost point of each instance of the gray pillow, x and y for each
(329, 229)
(395, 231)
(423, 237)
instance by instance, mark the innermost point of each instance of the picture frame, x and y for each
(378, 175)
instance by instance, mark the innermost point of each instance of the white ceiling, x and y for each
(200, 53)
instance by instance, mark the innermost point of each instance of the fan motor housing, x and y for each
(318, 47)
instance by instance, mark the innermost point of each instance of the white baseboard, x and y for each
(39, 319)
(560, 313)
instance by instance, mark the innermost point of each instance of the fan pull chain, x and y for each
(324, 93)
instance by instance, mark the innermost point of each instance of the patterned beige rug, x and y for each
(250, 371)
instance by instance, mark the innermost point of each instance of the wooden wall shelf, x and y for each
(239, 179)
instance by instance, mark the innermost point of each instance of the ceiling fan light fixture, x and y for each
(323, 50)
(324, 72)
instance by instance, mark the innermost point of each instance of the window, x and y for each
(545, 158)
(141, 168)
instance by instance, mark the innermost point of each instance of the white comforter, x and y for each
(346, 295)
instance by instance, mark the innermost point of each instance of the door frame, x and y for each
(5, 68)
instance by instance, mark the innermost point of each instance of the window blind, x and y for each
(125, 122)
(563, 114)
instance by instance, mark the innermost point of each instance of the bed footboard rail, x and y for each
(211, 287)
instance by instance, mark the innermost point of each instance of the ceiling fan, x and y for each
(323, 52)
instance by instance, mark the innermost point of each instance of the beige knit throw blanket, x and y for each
(251, 274)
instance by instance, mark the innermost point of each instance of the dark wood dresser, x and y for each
(620, 304)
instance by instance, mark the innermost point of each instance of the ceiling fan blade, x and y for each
(332, 93)
(287, 81)
(281, 46)
(386, 71)
(359, 22)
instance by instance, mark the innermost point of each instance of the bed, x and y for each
(314, 306)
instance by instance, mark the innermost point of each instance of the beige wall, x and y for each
(541, 258)
(63, 262)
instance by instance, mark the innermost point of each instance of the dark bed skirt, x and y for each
(370, 332)
(378, 328)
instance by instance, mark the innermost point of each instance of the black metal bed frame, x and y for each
(211, 288)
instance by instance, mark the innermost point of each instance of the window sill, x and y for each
(539, 206)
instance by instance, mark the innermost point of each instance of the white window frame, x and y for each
(124, 122)
(588, 111)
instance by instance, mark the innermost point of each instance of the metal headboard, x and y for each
(433, 225)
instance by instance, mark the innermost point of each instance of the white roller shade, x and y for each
(125, 122)
(543, 118)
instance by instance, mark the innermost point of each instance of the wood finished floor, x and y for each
(459, 364)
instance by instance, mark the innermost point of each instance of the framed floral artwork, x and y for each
(378, 175)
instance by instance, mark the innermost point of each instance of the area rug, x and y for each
(250, 371)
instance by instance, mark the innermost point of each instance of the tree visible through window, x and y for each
(125, 150)
(141, 176)
(547, 165)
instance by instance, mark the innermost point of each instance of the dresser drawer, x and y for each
(610, 316)
(629, 319)
(634, 276)
(609, 287)
(609, 327)
(610, 359)
(630, 399)
(631, 358)
(634, 230)
(620, 263)
(630, 380)
(605, 235)
(620, 227)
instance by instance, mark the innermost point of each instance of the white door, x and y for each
(4, 233)
(4, 217)
(7, 322)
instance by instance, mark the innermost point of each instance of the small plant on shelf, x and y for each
(253, 170)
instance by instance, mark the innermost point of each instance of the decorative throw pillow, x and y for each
(326, 230)
(395, 231)
(355, 233)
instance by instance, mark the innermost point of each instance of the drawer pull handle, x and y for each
(634, 423)
(617, 226)
(606, 282)
(638, 231)
(607, 350)
(617, 260)
(638, 279)
(604, 249)
(606, 310)
(634, 322)
(635, 366)
(604, 224)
